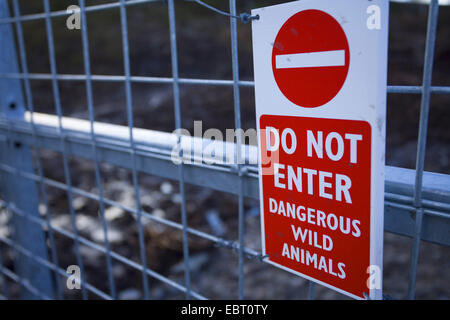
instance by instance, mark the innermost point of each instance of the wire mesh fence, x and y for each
(417, 203)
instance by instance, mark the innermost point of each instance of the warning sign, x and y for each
(320, 89)
(315, 220)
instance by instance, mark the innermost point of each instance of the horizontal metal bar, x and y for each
(153, 150)
(119, 78)
(188, 81)
(441, 2)
(62, 13)
(417, 89)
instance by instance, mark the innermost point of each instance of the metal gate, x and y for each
(417, 203)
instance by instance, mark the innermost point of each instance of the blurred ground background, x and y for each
(204, 52)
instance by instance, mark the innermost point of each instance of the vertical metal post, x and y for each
(98, 180)
(176, 101)
(422, 140)
(129, 99)
(30, 104)
(311, 290)
(238, 157)
(23, 193)
(67, 177)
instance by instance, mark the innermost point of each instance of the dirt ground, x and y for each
(204, 52)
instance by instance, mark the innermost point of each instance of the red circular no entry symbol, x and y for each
(310, 58)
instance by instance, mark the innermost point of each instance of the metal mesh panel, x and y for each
(417, 202)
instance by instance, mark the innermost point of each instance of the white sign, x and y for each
(320, 89)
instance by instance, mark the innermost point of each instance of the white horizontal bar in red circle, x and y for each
(332, 58)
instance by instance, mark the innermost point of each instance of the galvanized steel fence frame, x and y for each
(417, 203)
